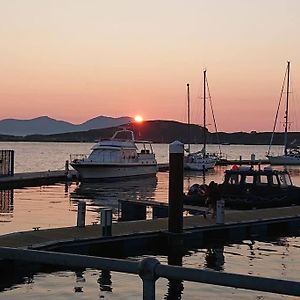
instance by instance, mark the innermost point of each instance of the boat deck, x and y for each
(42, 237)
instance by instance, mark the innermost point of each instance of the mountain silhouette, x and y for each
(47, 125)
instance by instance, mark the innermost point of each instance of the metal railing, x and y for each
(150, 269)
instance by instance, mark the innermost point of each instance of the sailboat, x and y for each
(291, 155)
(201, 160)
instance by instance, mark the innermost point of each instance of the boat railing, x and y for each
(78, 157)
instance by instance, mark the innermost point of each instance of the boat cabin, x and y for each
(122, 147)
(246, 175)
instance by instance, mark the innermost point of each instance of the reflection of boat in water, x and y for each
(108, 193)
(117, 157)
(6, 202)
(246, 188)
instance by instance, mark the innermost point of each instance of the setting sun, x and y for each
(138, 119)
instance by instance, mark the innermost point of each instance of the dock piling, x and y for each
(175, 224)
(81, 214)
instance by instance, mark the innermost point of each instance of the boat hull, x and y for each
(200, 166)
(89, 172)
(284, 160)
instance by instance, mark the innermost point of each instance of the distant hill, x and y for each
(160, 131)
(45, 125)
(156, 131)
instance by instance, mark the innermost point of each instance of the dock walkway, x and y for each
(43, 237)
(34, 178)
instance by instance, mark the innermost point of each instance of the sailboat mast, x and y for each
(189, 120)
(287, 109)
(204, 112)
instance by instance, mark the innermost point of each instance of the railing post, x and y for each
(176, 187)
(81, 214)
(147, 273)
(12, 163)
(106, 221)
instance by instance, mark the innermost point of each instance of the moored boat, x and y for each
(117, 157)
(246, 188)
(200, 160)
(291, 155)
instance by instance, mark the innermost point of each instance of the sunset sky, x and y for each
(77, 59)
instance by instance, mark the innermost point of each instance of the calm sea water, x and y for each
(55, 206)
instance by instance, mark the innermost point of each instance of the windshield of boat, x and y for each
(284, 179)
(126, 135)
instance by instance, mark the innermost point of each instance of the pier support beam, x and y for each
(175, 224)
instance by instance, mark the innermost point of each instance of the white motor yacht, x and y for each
(117, 157)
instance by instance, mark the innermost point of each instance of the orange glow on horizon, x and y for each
(138, 119)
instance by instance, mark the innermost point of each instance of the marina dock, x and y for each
(34, 178)
(234, 220)
(173, 228)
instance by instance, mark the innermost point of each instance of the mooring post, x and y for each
(67, 167)
(106, 221)
(81, 214)
(147, 273)
(67, 171)
(176, 187)
(220, 213)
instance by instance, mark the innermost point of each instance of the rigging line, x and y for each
(294, 103)
(277, 112)
(214, 119)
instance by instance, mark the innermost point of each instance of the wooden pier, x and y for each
(43, 238)
(34, 178)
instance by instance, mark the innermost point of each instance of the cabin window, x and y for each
(275, 180)
(288, 180)
(262, 179)
(235, 179)
(284, 180)
(249, 179)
